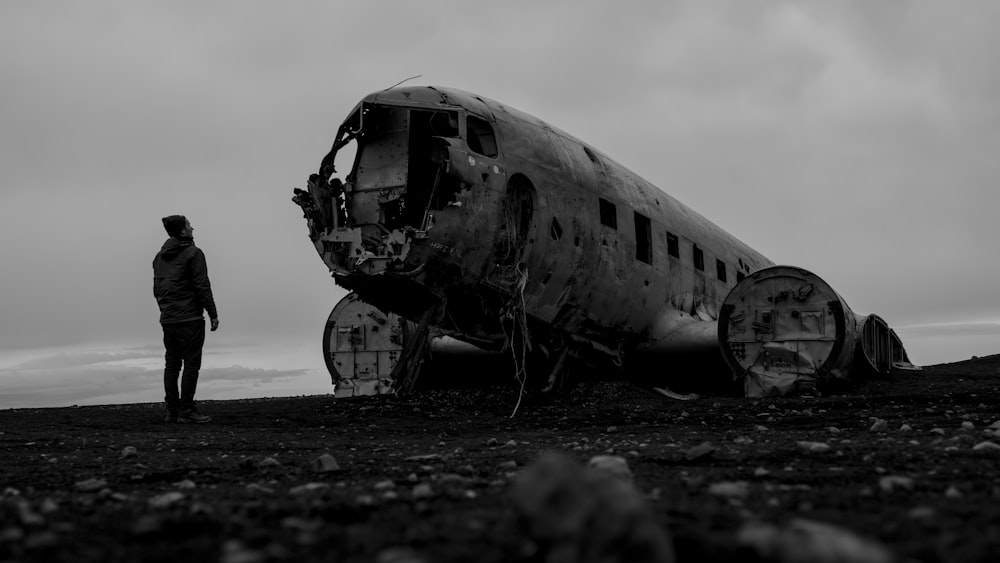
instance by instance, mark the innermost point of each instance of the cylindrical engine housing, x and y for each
(785, 330)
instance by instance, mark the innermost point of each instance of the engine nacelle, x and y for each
(784, 330)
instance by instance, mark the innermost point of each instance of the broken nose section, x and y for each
(785, 331)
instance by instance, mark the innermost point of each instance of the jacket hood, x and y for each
(174, 246)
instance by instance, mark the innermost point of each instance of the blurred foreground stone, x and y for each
(577, 514)
(806, 541)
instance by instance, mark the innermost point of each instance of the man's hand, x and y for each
(215, 324)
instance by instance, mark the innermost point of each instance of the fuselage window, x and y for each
(481, 139)
(720, 270)
(673, 245)
(643, 239)
(699, 258)
(739, 277)
(609, 214)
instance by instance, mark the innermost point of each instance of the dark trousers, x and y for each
(183, 342)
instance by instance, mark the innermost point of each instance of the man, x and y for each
(182, 290)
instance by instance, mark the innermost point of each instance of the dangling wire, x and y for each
(515, 312)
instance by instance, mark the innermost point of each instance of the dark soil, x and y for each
(72, 492)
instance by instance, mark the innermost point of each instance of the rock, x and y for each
(879, 425)
(127, 452)
(325, 464)
(986, 446)
(905, 428)
(968, 425)
(424, 457)
(268, 462)
(91, 485)
(807, 541)
(234, 551)
(510, 443)
(308, 488)
(398, 555)
(702, 450)
(185, 484)
(814, 447)
(166, 499)
(612, 429)
(761, 472)
(422, 491)
(889, 483)
(384, 485)
(731, 489)
(576, 513)
(257, 487)
(953, 492)
(508, 465)
(613, 465)
(491, 442)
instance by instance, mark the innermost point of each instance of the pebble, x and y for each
(702, 450)
(611, 464)
(422, 491)
(730, 489)
(889, 483)
(879, 425)
(968, 425)
(814, 447)
(166, 499)
(91, 485)
(308, 488)
(986, 446)
(269, 462)
(325, 463)
(128, 451)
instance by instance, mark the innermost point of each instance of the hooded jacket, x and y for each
(180, 282)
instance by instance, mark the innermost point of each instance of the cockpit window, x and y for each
(444, 124)
(481, 139)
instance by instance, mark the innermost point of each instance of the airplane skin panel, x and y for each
(547, 246)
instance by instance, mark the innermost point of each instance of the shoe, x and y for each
(171, 417)
(188, 416)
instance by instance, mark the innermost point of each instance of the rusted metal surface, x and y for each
(501, 231)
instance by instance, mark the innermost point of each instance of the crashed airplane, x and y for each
(465, 226)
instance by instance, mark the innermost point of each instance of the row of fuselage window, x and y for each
(644, 242)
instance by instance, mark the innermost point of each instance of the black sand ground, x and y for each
(427, 477)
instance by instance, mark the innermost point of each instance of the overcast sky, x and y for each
(859, 140)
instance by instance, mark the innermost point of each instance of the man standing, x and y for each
(182, 290)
